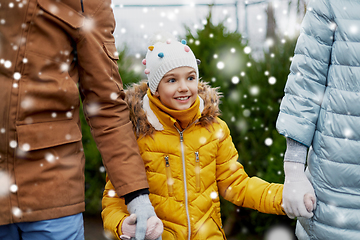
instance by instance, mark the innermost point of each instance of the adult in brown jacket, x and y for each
(49, 49)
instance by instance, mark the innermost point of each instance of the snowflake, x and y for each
(5, 183)
(49, 157)
(111, 193)
(279, 233)
(247, 50)
(272, 80)
(235, 80)
(17, 76)
(213, 195)
(268, 141)
(13, 144)
(16, 212)
(220, 65)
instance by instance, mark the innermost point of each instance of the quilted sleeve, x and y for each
(114, 210)
(307, 80)
(237, 187)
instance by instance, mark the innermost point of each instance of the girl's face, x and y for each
(178, 88)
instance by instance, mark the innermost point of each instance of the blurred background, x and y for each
(245, 48)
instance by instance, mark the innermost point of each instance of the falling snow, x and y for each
(7, 64)
(16, 212)
(5, 185)
(220, 65)
(170, 181)
(254, 90)
(25, 147)
(113, 96)
(27, 103)
(13, 188)
(92, 109)
(213, 195)
(235, 80)
(272, 80)
(202, 140)
(50, 157)
(246, 113)
(88, 24)
(111, 193)
(279, 233)
(247, 50)
(17, 76)
(13, 144)
(268, 141)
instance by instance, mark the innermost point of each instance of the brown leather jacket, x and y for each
(49, 49)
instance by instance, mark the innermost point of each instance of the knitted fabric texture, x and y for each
(163, 57)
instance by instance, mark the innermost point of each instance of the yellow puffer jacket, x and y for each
(187, 170)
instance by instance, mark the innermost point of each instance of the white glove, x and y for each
(299, 198)
(148, 225)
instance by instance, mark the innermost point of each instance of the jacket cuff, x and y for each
(295, 151)
(130, 196)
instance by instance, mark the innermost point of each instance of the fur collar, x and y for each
(145, 121)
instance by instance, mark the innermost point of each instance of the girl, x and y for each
(188, 153)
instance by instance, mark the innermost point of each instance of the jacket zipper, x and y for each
(184, 174)
(169, 179)
(185, 181)
(197, 171)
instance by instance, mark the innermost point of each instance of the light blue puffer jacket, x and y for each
(321, 109)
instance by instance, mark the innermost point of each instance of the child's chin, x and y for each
(181, 108)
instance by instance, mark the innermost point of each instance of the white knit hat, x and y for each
(162, 57)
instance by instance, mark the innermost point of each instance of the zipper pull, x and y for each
(181, 137)
(169, 179)
(197, 156)
(197, 172)
(167, 164)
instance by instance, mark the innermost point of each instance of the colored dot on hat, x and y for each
(147, 71)
(144, 61)
(151, 48)
(161, 55)
(186, 48)
(183, 41)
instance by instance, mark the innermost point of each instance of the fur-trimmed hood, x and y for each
(140, 119)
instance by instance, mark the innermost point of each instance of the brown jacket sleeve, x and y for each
(103, 99)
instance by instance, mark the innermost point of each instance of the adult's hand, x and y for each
(147, 223)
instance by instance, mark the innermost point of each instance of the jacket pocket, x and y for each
(49, 134)
(63, 12)
(209, 225)
(168, 234)
(197, 172)
(169, 178)
(111, 51)
(217, 221)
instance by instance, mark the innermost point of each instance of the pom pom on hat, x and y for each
(164, 55)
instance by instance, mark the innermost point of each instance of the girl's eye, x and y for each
(191, 78)
(172, 80)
